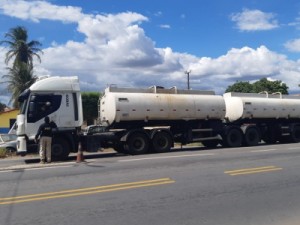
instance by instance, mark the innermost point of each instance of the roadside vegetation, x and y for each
(3, 153)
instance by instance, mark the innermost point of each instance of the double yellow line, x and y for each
(252, 170)
(84, 191)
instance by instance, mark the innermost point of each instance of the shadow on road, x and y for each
(115, 154)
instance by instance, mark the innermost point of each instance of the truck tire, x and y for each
(233, 137)
(137, 143)
(162, 142)
(251, 136)
(60, 149)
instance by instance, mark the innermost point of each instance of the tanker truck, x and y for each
(141, 120)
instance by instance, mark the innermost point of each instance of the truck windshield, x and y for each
(23, 106)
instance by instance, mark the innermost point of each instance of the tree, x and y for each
(90, 106)
(18, 79)
(2, 107)
(259, 86)
(240, 86)
(20, 75)
(270, 86)
(19, 49)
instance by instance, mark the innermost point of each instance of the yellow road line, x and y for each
(247, 169)
(84, 191)
(252, 170)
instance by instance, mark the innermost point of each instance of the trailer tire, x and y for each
(137, 143)
(233, 137)
(60, 149)
(161, 142)
(251, 136)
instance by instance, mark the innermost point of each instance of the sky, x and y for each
(135, 43)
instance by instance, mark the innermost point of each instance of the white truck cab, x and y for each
(56, 97)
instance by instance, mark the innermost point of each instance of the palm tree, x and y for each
(19, 48)
(18, 79)
(20, 75)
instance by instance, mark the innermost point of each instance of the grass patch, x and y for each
(3, 152)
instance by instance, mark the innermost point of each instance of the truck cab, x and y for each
(60, 99)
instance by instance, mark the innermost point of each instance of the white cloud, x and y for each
(254, 20)
(295, 23)
(38, 10)
(241, 62)
(247, 64)
(158, 14)
(165, 26)
(116, 50)
(293, 45)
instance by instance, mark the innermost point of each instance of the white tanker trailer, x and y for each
(142, 120)
(158, 105)
(153, 119)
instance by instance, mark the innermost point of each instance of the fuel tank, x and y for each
(261, 106)
(124, 104)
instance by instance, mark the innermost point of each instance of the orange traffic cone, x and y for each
(80, 157)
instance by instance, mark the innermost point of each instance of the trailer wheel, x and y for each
(210, 143)
(162, 142)
(233, 137)
(295, 134)
(137, 143)
(251, 136)
(60, 149)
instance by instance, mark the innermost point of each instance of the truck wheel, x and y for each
(162, 142)
(60, 149)
(295, 134)
(252, 136)
(210, 143)
(233, 137)
(137, 143)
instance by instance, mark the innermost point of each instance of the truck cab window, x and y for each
(42, 105)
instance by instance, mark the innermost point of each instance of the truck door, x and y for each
(40, 106)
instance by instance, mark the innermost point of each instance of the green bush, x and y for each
(2, 152)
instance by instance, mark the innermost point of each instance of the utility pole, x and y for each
(188, 72)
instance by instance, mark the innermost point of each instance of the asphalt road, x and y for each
(241, 186)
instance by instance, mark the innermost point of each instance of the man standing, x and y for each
(45, 134)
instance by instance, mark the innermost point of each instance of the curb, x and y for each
(37, 166)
